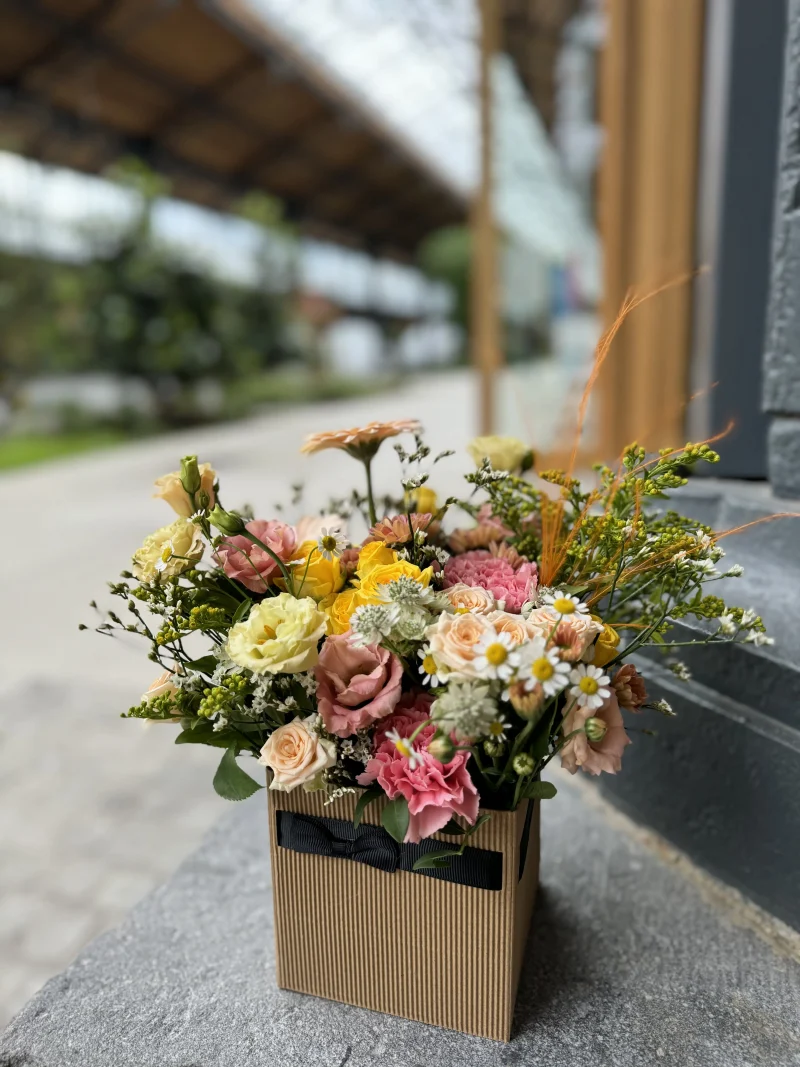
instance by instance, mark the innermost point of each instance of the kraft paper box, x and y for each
(402, 942)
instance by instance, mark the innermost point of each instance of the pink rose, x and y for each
(594, 757)
(511, 583)
(251, 565)
(435, 791)
(355, 686)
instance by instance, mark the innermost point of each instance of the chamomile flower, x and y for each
(166, 555)
(497, 728)
(496, 656)
(564, 603)
(405, 748)
(589, 686)
(430, 670)
(542, 666)
(331, 542)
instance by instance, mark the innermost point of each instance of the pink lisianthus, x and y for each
(355, 686)
(250, 564)
(505, 581)
(595, 757)
(435, 791)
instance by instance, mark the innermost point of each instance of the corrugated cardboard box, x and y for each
(405, 943)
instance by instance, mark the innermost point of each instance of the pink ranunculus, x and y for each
(250, 564)
(512, 584)
(355, 686)
(594, 757)
(435, 791)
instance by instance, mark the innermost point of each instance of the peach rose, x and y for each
(170, 488)
(466, 598)
(518, 629)
(453, 638)
(573, 634)
(594, 757)
(297, 756)
(163, 684)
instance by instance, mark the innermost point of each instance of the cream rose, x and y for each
(517, 628)
(169, 551)
(297, 756)
(162, 685)
(170, 488)
(464, 598)
(504, 453)
(279, 636)
(573, 634)
(453, 638)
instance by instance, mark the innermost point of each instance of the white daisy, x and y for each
(497, 728)
(331, 542)
(589, 686)
(430, 670)
(405, 748)
(542, 666)
(496, 655)
(166, 556)
(564, 603)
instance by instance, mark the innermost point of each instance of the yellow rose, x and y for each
(375, 554)
(389, 572)
(280, 635)
(605, 648)
(423, 500)
(297, 756)
(339, 607)
(169, 551)
(504, 453)
(169, 488)
(314, 575)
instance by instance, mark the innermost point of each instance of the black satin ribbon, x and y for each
(476, 867)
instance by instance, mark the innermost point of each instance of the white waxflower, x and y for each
(681, 671)
(331, 542)
(564, 603)
(370, 623)
(466, 709)
(496, 656)
(736, 571)
(748, 618)
(727, 624)
(758, 639)
(589, 686)
(542, 666)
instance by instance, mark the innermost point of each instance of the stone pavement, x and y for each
(634, 960)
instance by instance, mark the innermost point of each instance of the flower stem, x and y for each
(373, 518)
(283, 568)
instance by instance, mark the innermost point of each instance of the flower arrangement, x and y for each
(443, 660)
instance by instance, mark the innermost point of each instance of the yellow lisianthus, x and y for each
(169, 487)
(339, 607)
(279, 636)
(312, 573)
(504, 453)
(169, 551)
(423, 500)
(379, 575)
(605, 648)
(375, 554)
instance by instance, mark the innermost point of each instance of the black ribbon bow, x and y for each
(477, 867)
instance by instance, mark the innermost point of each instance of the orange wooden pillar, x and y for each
(650, 101)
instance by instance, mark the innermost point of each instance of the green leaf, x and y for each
(394, 818)
(366, 798)
(205, 665)
(241, 611)
(478, 823)
(539, 791)
(440, 858)
(230, 781)
(452, 827)
(220, 739)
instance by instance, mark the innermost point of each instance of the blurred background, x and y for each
(225, 224)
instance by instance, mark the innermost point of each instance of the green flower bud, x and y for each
(227, 522)
(528, 461)
(595, 729)
(442, 748)
(190, 474)
(493, 748)
(203, 499)
(524, 764)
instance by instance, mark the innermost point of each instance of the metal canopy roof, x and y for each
(218, 101)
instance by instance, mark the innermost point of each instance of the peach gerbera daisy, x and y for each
(361, 439)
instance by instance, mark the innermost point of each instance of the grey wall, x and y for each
(782, 354)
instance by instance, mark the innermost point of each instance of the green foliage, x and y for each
(230, 781)
(395, 818)
(363, 802)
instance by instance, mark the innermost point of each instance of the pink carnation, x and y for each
(435, 792)
(251, 565)
(504, 580)
(355, 686)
